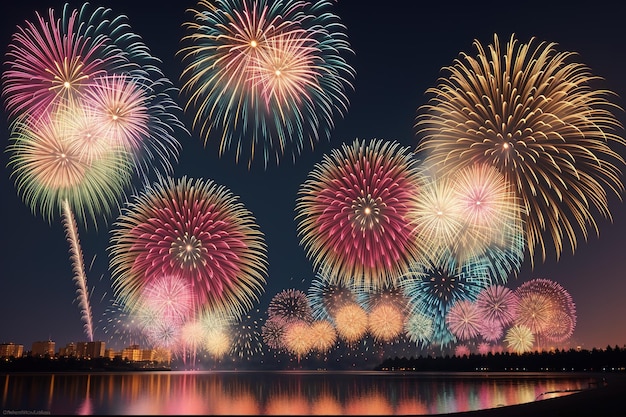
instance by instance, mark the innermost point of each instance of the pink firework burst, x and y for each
(196, 231)
(484, 348)
(489, 208)
(353, 213)
(171, 297)
(491, 331)
(464, 319)
(461, 350)
(120, 108)
(52, 60)
(498, 304)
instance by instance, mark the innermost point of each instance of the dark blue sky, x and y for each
(399, 51)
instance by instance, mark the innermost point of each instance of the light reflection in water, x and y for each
(276, 393)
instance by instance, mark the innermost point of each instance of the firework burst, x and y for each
(197, 231)
(464, 319)
(351, 322)
(385, 322)
(290, 305)
(170, 297)
(532, 114)
(546, 308)
(491, 214)
(325, 298)
(323, 335)
(491, 331)
(50, 171)
(419, 328)
(436, 216)
(53, 60)
(461, 350)
(271, 76)
(498, 304)
(519, 338)
(353, 213)
(298, 338)
(273, 332)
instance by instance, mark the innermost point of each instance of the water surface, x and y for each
(276, 393)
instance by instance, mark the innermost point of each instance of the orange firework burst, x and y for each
(351, 322)
(323, 335)
(385, 322)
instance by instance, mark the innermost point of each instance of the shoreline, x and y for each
(603, 401)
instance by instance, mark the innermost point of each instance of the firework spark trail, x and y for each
(78, 266)
(51, 175)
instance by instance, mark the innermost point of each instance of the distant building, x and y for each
(83, 350)
(134, 353)
(90, 349)
(45, 348)
(11, 349)
(68, 351)
(110, 353)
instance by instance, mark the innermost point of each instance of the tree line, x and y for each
(611, 359)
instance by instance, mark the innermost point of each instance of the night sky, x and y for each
(399, 51)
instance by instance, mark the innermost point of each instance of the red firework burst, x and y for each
(353, 213)
(197, 231)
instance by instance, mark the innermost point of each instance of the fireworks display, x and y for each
(266, 78)
(554, 142)
(411, 251)
(195, 230)
(353, 213)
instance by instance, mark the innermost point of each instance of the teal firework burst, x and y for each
(266, 79)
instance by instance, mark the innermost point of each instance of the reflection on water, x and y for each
(274, 393)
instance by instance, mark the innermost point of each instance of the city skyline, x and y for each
(399, 51)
